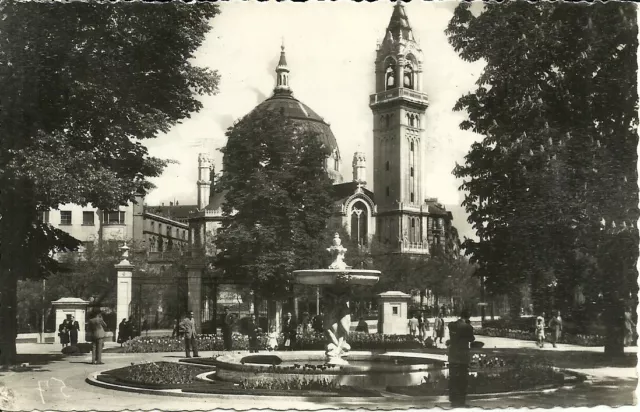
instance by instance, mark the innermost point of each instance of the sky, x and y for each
(330, 49)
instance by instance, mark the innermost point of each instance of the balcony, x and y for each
(400, 93)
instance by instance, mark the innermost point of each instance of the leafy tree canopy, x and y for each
(277, 202)
(555, 176)
(83, 84)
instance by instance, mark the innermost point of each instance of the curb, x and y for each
(386, 396)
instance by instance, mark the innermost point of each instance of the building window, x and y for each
(412, 146)
(387, 191)
(153, 226)
(336, 164)
(43, 217)
(113, 218)
(65, 217)
(408, 77)
(87, 218)
(411, 171)
(386, 165)
(412, 197)
(169, 231)
(390, 78)
(395, 310)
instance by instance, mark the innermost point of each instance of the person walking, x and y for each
(188, 329)
(74, 329)
(145, 326)
(423, 326)
(540, 331)
(122, 331)
(438, 328)
(556, 328)
(459, 356)
(63, 333)
(96, 329)
(629, 328)
(253, 330)
(289, 329)
(227, 326)
(413, 325)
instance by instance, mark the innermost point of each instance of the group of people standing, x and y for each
(127, 330)
(68, 331)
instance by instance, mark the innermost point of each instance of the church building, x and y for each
(395, 212)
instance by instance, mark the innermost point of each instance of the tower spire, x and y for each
(399, 27)
(282, 74)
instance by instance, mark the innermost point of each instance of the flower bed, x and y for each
(169, 375)
(358, 341)
(581, 340)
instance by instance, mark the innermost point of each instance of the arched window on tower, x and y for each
(390, 78)
(359, 223)
(412, 147)
(408, 77)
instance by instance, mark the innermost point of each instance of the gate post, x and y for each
(125, 273)
(194, 293)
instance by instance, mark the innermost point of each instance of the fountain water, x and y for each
(336, 281)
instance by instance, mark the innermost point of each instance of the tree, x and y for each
(277, 203)
(554, 178)
(83, 84)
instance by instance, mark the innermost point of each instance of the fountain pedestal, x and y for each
(337, 279)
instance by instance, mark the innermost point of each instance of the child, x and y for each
(272, 343)
(540, 331)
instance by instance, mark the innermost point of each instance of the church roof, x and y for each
(399, 23)
(174, 212)
(302, 115)
(344, 190)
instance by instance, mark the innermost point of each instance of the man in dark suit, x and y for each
(96, 329)
(227, 327)
(188, 330)
(461, 335)
(290, 331)
(252, 333)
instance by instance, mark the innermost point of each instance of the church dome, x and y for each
(305, 117)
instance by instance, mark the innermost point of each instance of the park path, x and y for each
(59, 384)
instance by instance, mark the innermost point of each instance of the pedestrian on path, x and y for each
(74, 330)
(227, 325)
(556, 328)
(413, 325)
(289, 330)
(188, 329)
(423, 326)
(540, 331)
(459, 356)
(438, 328)
(96, 329)
(253, 331)
(629, 328)
(63, 333)
(122, 331)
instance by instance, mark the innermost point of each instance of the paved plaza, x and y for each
(59, 383)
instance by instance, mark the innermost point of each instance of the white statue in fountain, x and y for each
(336, 282)
(337, 251)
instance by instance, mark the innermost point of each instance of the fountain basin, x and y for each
(319, 277)
(364, 369)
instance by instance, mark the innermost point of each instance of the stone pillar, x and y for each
(392, 313)
(75, 307)
(194, 292)
(124, 287)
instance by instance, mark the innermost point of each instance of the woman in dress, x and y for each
(63, 332)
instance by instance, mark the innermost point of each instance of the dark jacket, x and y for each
(461, 335)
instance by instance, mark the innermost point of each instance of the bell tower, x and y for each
(398, 107)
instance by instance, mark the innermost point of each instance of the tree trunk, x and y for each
(613, 316)
(8, 316)
(515, 303)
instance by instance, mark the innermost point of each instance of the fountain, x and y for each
(336, 281)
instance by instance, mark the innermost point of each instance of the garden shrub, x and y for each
(312, 341)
